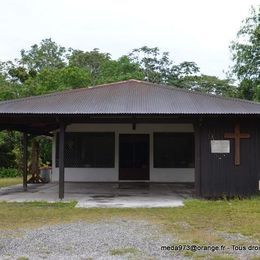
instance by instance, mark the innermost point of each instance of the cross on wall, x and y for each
(237, 135)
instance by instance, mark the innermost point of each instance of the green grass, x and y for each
(4, 182)
(196, 222)
(221, 257)
(198, 218)
(123, 251)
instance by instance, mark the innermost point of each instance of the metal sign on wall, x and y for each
(220, 146)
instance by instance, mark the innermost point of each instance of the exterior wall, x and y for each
(112, 174)
(218, 175)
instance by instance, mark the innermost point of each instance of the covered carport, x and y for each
(31, 126)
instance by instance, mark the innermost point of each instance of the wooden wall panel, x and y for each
(219, 176)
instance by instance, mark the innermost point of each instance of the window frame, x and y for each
(90, 135)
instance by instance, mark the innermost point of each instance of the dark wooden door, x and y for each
(133, 157)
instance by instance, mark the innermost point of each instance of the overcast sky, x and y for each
(191, 30)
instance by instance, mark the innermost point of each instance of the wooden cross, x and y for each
(237, 136)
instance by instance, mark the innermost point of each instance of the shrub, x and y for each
(9, 173)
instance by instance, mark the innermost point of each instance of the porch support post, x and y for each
(197, 130)
(25, 160)
(61, 160)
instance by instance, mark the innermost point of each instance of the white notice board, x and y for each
(220, 146)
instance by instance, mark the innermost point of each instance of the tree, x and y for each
(7, 155)
(179, 73)
(14, 72)
(155, 66)
(7, 89)
(46, 55)
(117, 70)
(246, 56)
(50, 80)
(208, 84)
(91, 61)
(45, 145)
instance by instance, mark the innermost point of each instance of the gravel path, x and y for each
(115, 239)
(110, 239)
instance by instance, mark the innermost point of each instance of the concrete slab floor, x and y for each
(104, 195)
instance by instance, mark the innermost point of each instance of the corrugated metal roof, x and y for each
(129, 97)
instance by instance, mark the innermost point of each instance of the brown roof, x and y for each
(129, 97)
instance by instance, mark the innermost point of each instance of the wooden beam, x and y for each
(25, 160)
(61, 160)
(197, 131)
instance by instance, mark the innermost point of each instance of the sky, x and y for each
(191, 30)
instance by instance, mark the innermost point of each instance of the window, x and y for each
(88, 150)
(174, 150)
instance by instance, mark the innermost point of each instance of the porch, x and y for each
(104, 195)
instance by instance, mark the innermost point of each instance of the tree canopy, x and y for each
(48, 67)
(246, 56)
(90, 61)
(46, 55)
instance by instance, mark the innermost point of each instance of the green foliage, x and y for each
(118, 70)
(246, 50)
(207, 84)
(8, 90)
(103, 69)
(247, 89)
(155, 66)
(159, 68)
(18, 73)
(90, 61)
(46, 55)
(45, 144)
(246, 56)
(9, 173)
(181, 72)
(50, 80)
(8, 144)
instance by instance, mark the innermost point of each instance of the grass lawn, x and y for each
(4, 182)
(197, 221)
